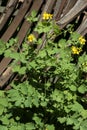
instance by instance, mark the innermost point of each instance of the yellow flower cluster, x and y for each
(82, 40)
(31, 38)
(76, 50)
(47, 16)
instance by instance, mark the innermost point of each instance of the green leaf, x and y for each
(2, 47)
(7, 53)
(11, 42)
(83, 125)
(50, 127)
(21, 127)
(43, 103)
(35, 101)
(23, 57)
(57, 96)
(23, 89)
(73, 88)
(82, 89)
(84, 114)
(33, 14)
(69, 121)
(39, 41)
(4, 102)
(62, 119)
(16, 68)
(33, 64)
(32, 17)
(83, 128)
(15, 56)
(76, 107)
(4, 128)
(20, 70)
(75, 36)
(30, 126)
(37, 119)
(1, 109)
(28, 102)
(62, 43)
(13, 128)
(1, 93)
(18, 102)
(42, 53)
(5, 120)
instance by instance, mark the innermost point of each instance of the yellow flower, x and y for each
(31, 38)
(76, 50)
(47, 16)
(82, 40)
(50, 16)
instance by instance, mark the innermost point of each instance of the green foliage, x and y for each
(2, 47)
(51, 87)
(32, 17)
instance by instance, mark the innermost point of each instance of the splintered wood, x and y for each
(21, 0)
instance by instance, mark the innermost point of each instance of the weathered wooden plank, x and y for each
(67, 10)
(7, 13)
(82, 29)
(77, 9)
(69, 5)
(21, 35)
(47, 8)
(11, 29)
(2, 8)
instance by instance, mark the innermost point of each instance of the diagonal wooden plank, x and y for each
(7, 12)
(47, 8)
(21, 35)
(10, 31)
(69, 5)
(17, 20)
(82, 29)
(77, 9)
(60, 9)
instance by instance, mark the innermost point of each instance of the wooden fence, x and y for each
(14, 14)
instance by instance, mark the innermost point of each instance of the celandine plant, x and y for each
(50, 93)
